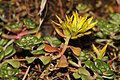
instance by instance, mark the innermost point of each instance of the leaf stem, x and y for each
(65, 45)
(64, 48)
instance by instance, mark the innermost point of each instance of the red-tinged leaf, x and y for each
(59, 32)
(49, 48)
(63, 62)
(76, 50)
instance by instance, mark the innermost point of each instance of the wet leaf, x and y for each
(63, 62)
(45, 59)
(76, 50)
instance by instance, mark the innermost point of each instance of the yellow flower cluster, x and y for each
(76, 26)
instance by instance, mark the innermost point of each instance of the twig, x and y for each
(26, 73)
(27, 7)
(42, 6)
(61, 8)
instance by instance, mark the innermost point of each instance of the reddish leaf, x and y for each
(49, 48)
(76, 50)
(59, 32)
(63, 62)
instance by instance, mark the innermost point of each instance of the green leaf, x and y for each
(9, 50)
(85, 77)
(76, 75)
(42, 46)
(82, 70)
(12, 53)
(53, 41)
(15, 64)
(73, 63)
(2, 54)
(45, 59)
(37, 52)
(30, 59)
(90, 65)
(13, 78)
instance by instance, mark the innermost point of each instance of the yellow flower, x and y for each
(75, 26)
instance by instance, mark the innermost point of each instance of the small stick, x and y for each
(26, 73)
(61, 8)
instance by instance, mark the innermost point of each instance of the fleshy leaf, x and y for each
(86, 77)
(45, 59)
(15, 64)
(76, 50)
(49, 48)
(37, 52)
(59, 32)
(76, 75)
(102, 52)
(53, 41)
(63, 62)
(82, 70)
(73, 63)
(30, 59)
(95, 49)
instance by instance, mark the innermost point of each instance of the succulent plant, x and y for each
(29, 24)
(7, 72)
(101, 68)
(84, 56)
(82, 8)
(109, 27)
(6, 48)
(14, 27)
(28, 42)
